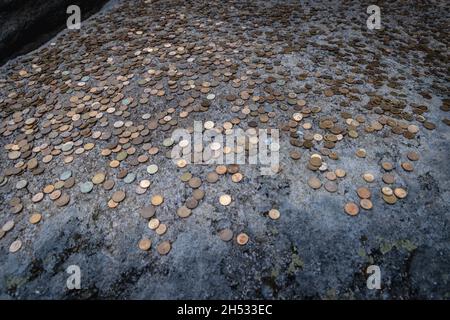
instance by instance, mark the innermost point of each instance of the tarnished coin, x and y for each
(226, 234)
(164, 248)
(63, 200)
(407, 166)
(145, 244)
(242, 239)
(195, 182)
(351, 208)
(340, 173)
(108, 184)
(183, 212)
(86, 187)
(331, 186)
(15, 246)
(118, 196)
(391, 199)
(198, 194)
(8, 225)
(37, 197)
(237, 177)
(368, 177)
(413, 156)
(147, 212)
(366, 204)
(212, 177)
(152, 169)
(388, 178)
(314, 183)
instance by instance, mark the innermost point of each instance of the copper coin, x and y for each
(153, 224)
(392, 199)
(387, 166)
(108, 184)
(195, 182)
(387, 191)
(49, 188)
(351, 208)
(112, 204)
(145, 244)
(183, 212)
(226, 234)
(212, 177)
(221, 169)
(295, 155)
(413, 156)
(237, 177)
(63, 200)
(388, 178)
(363, 192)
(242, 239)
(164, 247)
(37, 197)
(330, 175)
(55, 195)
(147, 212)
(162, 228)
(400, 193)
(407, 166)
(366, 204)
(198, 194)
(368, 177)
(118, 196)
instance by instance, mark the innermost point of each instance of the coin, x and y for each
(314, 183)
(407, 166)
(147, 212)
(330, 186)
(400, 193)
(413, 156)
(162, 228)
(226, 234)
(361, 153)
(183, 212)
(152, 169)
(368, 177)
(242, 239)
(35, 218)
(391, 199)
(330, 175)
(274, 214)
(363, 192)
(153, 223)
(388, 178)
(37, 197)
(8, 225)
(63, 200)
(351, 208)
(157, 200)
(185, 177)
(295, 155)
(98, 178)
(145, 244)
(387, 191)
(86, 187)
(340, 173)
(387, 166)
(212, 177)
(164, 247)
(15, 246)
(195, 182)
(237, 177)
(221, 169)
(144, 183)
(108, 184)
(225, 199)
(366, 204)
(118, 196)
(198, 194)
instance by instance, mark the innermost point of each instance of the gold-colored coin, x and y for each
(118, 196)
(225, 199)
(363, 192)
(162, 228)
(368, 177)
(221, 169)
(157, 200)
(145, 244)
(35, 218)
(153, 223)
(392, 199)
(400, 193)
(237, 177)
(340, 173)
(98, 178)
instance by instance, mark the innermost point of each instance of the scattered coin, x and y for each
(145, 244)
(35, 218)
(314, 183)
(226, 234)
(118, 196)
(225, 199)
(274, 214)
(15, 246)
(164, 247)
(351, 208)
(242, 239)
(157, 200)
(400, 193)
(366, 204)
